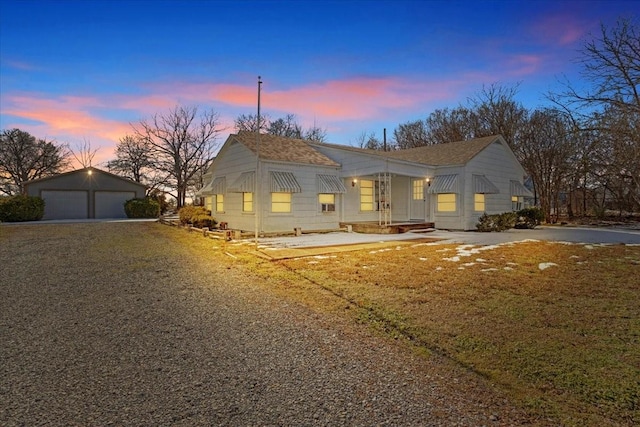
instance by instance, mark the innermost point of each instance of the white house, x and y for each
(294, 183)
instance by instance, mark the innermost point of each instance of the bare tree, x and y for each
(24, 158)
(315, 134)
(135, 161)
(284, 126)
(498, 113)
(609, 107)
(249, 122)
(548, 144)
(182, 142)
(611, 64)
(447, 125)
(83, 153)
(411, 134)
(369, 141)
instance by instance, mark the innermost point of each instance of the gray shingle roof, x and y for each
(277, 148)
(452, 153)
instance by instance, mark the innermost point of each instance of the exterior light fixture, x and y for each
(354, 182)
(428, 180)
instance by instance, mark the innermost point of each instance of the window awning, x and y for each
(205, 191)
(219, 184)
(284, 182)
(330, 184)
(482, 185)
(444, 184)
(244, 184)
(517, 189)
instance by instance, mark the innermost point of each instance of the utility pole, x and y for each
(256, 201)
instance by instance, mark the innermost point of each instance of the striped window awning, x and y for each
(482, 185)
(244, 184)
(205, 191)
(219, 184)
(284, 182)
(517, 189)
(444, 184)
(330, 184)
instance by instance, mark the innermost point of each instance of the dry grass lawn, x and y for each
(555, 325)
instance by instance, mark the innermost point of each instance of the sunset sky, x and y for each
(79, 71)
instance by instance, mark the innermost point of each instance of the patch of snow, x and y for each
(313, 262)
(545, 265)
(588, 247)
(438, 268)
(423, 259)
(489, 269)
(452, 259)
(481, 260)
(574, 256)
(508, 268)
(469, 264)
(512, 263)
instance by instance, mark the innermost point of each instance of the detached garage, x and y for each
(85, 193)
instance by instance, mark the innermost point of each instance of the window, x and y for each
(418, 189)
(516, 203)
(327, 202)
(447, 202)
(219, 202)
(280, 202)
(208, 203)
(366, 195)
(478, 202)
(247, 202)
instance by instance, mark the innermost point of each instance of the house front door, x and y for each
(418, 200)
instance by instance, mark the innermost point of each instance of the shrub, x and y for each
(161, 198)
(185, 213)
(142, 208)
(486, 223)
(507, 220)
(196, 215)
(529, 218)
(496, 222)
(21, 208)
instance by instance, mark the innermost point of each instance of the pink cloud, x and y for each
(522, 65)
(350, 99)
(67, 120)
(560, 30)
(330, 104)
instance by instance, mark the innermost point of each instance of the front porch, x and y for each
(374, 227)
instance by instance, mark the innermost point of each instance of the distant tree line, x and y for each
(582, 153)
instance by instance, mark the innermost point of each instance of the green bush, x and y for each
(496, 222)
(198, 216)
(142, 208)
(529, 218)
(21, 208)
(185, 213)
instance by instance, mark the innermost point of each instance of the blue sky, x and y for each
(79, 71)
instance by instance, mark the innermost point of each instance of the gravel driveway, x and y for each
(123, 324)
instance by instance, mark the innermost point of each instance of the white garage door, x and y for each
(110, 204)
(65, 204)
